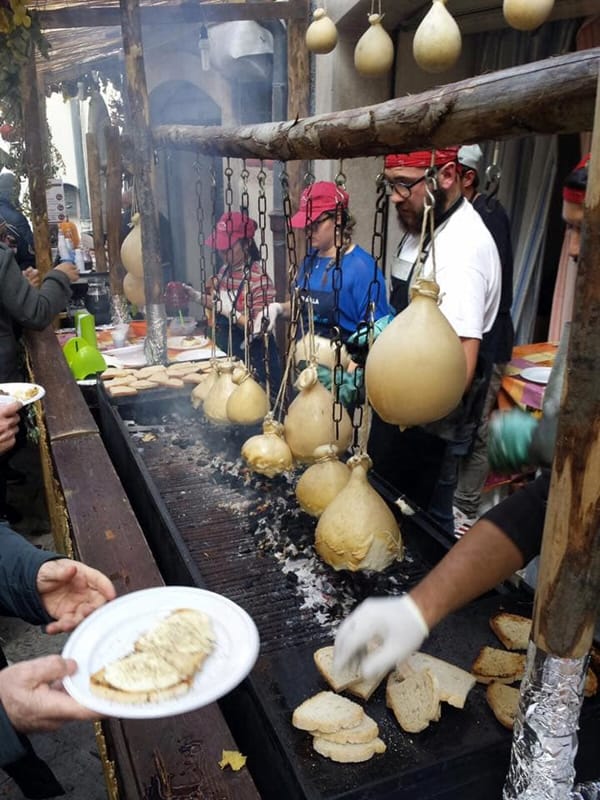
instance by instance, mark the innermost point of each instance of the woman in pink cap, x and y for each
(240, 285)
(340, 300)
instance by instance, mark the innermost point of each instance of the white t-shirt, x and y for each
(467, 270)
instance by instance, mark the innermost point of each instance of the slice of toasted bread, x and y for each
(147, 372)
(348, 753)
(513, 630)
(502, 666)
(139, 678)
(455, 683)
(366, 730)
(121, 391)
(504, 702)
(113, 372)
(415, 700)
(143, 384)
(164, 661)
(337, 679)
(193, 377)
(327, 712)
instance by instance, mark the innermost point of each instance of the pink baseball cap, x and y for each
(316, 199)
(231, 227)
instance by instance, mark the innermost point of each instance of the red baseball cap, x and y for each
(316, 199)
(231, 227)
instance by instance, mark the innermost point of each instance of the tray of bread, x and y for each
(160, 652)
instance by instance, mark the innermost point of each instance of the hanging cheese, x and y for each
(202, 389)
(416, 370)
(437, 42)
(248, 403)
(321, 349)
(309, 421)
(322, 481)
(133, 289)
(268, 453)
(374, 51)
(357, 530)
(526, 15)
(131, 249)
(321, 35)
(215, 402)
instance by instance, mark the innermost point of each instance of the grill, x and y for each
(212, 523)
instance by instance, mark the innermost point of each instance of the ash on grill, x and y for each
(249, 530)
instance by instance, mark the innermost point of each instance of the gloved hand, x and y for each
(357, 344)
(226, 304)
(192, 294)
(273, 311)
(348, 389)
(396, 622)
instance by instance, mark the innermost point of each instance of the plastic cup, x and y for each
(119, 334)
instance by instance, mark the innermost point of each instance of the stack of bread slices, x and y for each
(128, 382)
(163, 663)
(340, 728)
(501, 668)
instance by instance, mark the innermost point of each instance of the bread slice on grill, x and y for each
(502, 666)
(504, 702)
(348, 679)
(163, 663)
(454, 683)
(415, 700)
(348, 753)
(366, 730)
(327, 712)
(513, 630)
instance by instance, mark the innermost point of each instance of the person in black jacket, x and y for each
(41, 588)
(9, 212)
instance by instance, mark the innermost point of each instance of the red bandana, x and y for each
(421, 158)
(576, 196)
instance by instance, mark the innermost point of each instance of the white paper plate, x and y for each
(186, 342)
(199, 355)
(536, 374)
(110, 631)
(130, 356)
(25, 393)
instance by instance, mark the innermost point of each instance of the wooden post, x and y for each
(143, 155)
(298, 89)
(95, 187)
(34, 122)
(113, 209)
(566, 604)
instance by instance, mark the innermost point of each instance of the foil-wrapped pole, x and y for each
(587, 791)
(155, 346)
(545, 732)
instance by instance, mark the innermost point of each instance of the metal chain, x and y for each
(200, 226)
(228, 195)
(212, 173)
(337, 408)
(263, 253)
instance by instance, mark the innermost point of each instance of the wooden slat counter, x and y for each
(172, 757)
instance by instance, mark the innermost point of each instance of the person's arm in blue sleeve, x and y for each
(19, 565)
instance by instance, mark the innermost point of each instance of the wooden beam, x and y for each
(545, 97)
(96, 203)
(100, 16)
(34, 127)
(566, 600)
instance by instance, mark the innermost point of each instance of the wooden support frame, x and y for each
(555, 95)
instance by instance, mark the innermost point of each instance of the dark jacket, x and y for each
(25, 254)
(23, 305)
(19, 566)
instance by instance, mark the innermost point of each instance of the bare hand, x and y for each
(31, 699)
(33, 276)
(9, 425)
(70, 591)
(69, 269)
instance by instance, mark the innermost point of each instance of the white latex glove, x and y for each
(193, 294)
(274, 310)
(395, 622)
(226, 305)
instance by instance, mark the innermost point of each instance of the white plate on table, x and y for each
(199, 355)
(186, 342)
(25, 393)
(110, 632)
(536, 374)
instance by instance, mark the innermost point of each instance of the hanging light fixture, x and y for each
(204, 47)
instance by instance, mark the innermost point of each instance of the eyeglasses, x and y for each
(401, 188)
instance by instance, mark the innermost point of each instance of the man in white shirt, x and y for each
(421, 462)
